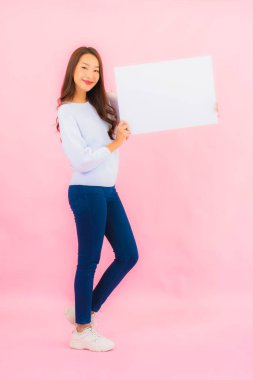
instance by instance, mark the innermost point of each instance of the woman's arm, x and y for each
(81, 156)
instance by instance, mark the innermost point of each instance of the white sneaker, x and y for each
(90, 339)
(70, 315)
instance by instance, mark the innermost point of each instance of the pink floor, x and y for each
(197, 339)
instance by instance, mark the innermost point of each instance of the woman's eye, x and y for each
(86, 68)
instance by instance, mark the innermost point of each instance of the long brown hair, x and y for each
(96, 96)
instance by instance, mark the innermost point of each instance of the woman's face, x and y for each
(87, 69)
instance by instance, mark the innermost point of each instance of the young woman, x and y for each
(91, 136)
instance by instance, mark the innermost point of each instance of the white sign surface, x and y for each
(166, 95)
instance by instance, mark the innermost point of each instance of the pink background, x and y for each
(185, 311)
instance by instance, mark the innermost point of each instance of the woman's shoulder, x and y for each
(64, 109)
(65, 105)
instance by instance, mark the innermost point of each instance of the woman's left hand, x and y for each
(113, 95)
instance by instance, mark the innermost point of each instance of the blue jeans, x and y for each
(98, 211)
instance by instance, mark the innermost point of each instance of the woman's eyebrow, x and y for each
(84, 63)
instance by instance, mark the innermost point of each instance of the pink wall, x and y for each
(190, 194)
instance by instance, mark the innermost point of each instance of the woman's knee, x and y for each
(133, 257)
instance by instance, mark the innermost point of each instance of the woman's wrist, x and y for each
(113, 146)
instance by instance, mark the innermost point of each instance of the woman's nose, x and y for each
(89, 75)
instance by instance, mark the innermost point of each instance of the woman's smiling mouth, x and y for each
(87, 82)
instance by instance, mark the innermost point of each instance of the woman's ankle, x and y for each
(80, 328)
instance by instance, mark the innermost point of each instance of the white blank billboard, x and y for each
(167, 95)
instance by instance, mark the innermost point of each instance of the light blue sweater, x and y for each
(84, 139)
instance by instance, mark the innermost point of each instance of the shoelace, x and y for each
(93, 332)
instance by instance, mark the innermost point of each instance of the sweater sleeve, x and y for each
(81, 156)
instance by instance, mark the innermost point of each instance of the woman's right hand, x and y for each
(122, 132)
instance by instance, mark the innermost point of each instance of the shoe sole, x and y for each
(77, 346)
